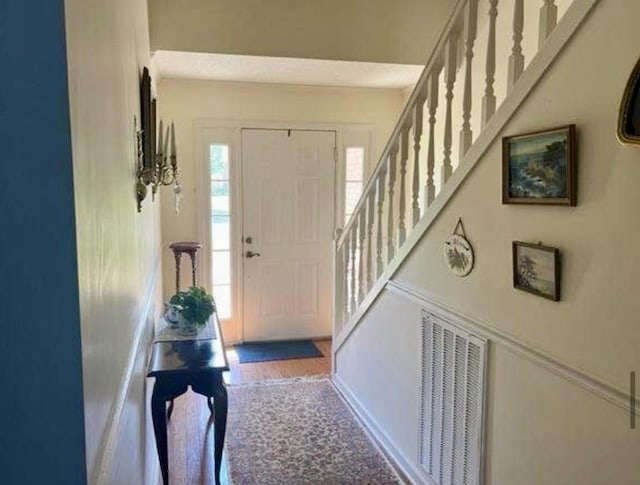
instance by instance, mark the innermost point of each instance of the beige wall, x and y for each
(542, 428)
(188, 101)
(117, 247)
(399, 31)
(594, 326)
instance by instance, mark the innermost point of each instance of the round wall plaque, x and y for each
(458, 253)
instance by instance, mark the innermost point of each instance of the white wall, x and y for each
(402, 31)
(185, 102)
(118, 249)
(541, 428)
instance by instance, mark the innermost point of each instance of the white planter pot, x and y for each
(171, 315)
(186, 327)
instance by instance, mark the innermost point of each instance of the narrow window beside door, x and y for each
(220, 229)
(354, 179)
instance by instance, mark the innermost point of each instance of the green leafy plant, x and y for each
(195, 304)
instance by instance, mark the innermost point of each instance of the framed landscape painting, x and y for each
(540, 168)
(536, 269)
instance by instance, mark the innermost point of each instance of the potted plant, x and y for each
(194, 307)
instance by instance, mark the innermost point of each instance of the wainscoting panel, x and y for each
(534, 421)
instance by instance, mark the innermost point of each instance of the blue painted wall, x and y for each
(41, 407)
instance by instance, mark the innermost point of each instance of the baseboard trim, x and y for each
(399, 459)
(593, 384)
(103, 469)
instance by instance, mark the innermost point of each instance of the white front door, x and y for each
(288, 205)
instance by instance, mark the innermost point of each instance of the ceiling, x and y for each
(384, 31)
(284, 70)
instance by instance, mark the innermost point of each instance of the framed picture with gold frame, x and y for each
(629, 113)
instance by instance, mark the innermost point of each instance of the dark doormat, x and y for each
(282, 350)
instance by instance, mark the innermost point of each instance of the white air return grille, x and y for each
(453, 375)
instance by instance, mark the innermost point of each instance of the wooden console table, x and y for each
(178, 362)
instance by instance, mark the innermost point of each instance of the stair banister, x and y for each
(400, 164)
(417, 136)
(470, 32)
(433, 62)
(489, 98)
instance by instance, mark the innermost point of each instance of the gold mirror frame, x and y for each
(630, 109)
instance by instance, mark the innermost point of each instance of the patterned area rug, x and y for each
(299, 431)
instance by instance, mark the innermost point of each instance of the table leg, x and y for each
(163, 391)
(219, 423)
(158, 414)
(178, 256)
(210, 404)
(170, 411)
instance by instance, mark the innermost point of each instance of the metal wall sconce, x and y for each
(156, 166)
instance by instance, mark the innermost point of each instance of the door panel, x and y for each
(288, 191)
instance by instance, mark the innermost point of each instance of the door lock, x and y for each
(251, 254)
(248, 239)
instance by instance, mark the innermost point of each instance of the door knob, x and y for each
(251, 254)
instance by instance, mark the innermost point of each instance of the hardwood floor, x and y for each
(190, 431)
(279, 369)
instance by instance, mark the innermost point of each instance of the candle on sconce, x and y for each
(160, 140)
(165, 152)
(173, 140)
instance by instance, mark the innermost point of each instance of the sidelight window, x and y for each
(354, 179)
(220, 229)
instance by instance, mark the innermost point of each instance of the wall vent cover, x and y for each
(453, 382)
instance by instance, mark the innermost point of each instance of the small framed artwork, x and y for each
(536, 269)
(540, 167)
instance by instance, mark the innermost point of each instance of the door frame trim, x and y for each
(232, 129)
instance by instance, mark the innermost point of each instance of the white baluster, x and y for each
(390, 222)
(361, 261)
(417, 134)
(404, 158)
(381, 193)
(470, 30)
(346, 253)
(370, 218)
(450, 65)
(489, 98)
(354, 245)
(548, 21)
(516, 59)
(432, 93)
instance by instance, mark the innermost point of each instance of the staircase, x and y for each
(457, 109)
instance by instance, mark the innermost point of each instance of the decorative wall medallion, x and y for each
(458, 252)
